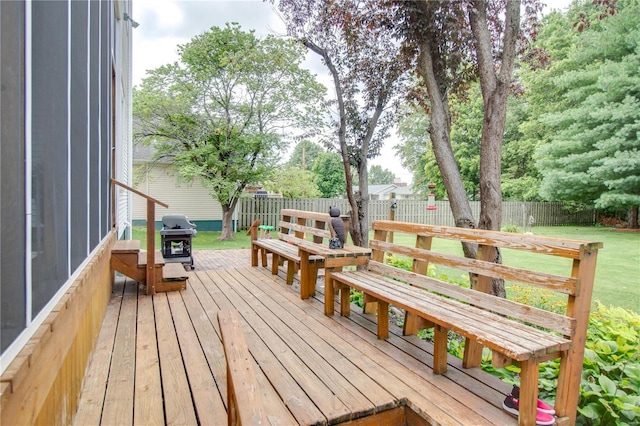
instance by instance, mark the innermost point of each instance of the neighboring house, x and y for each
(383, 192)
(66, 123)
(159, 180)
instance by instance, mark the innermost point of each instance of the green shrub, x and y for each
(356, 298)
(510, 228)
(405, 263)
(610, 391)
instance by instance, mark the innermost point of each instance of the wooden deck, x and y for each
(159, 359)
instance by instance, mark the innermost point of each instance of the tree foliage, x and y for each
(355, 42)
(226, 109)
(380, 176)
(304, 154)
(593, 151)
(329, 174)
(293, 182)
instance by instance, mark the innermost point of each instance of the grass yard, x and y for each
(205, 240)
(617, 280)
(617, 274)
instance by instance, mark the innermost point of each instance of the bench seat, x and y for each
(511, 338)
(281, 250)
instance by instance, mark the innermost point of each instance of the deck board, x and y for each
(118, 404)
(325, 369)
(304, 348)
(206, 397)
(148, 391)
(178, 402)
(97, 375)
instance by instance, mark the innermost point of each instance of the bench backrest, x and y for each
(576, 285)
(306, 224)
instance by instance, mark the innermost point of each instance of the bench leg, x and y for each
(263, 251)
(528, 392)
(383, 319)
(274, 263)
(440, 352)
(313, 278)
(304, 275)
(345, 299)
(330, 292)
(254, 255)
(413, 323)
(291, 271)
(472, 354)
(370, 304)
(563, 390)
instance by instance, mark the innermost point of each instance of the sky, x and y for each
(165, 24)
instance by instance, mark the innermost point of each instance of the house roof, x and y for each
(143, 153)
(387, 189)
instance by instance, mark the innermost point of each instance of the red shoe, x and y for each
(512, 405)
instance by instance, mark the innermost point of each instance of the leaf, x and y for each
(608, 385)
(591, 410)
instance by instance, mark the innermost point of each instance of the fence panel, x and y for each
(513, 213)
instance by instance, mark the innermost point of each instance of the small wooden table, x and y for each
(334, 260)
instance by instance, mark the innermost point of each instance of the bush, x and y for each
(510, 228)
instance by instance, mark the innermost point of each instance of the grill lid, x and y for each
(178, 222)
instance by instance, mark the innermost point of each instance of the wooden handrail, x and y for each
(142, 194)
(151, 234)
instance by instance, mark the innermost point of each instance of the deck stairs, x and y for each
(128, 259)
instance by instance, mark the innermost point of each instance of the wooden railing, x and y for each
(151, 233)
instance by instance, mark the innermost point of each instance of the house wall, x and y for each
(43, 383)
(190, 199)
(66, 131)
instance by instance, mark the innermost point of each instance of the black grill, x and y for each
(176, 234)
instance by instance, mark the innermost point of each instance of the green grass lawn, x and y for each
(617, 280)
(617, 273)
(205, 240)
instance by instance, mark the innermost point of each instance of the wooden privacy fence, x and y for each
(513, 212)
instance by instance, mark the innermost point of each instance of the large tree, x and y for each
(225, 111)
(593, 150)
(455, 42)
(353, 40)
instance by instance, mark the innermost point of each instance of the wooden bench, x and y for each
(244, 401)
(300, 223)
(513, 331)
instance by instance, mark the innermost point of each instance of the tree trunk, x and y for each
(495, 88)
(440, 132)
(360, 228)
(227, 222)
(633, 217)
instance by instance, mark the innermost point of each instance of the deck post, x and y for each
(151, 248)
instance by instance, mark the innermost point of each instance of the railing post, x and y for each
(151, 234)
(151, 248)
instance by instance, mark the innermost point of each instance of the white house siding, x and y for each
(190, 199)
